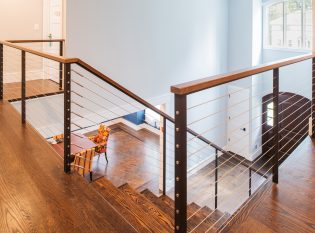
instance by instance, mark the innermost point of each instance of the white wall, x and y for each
(17, 19)
(142, 44)
(20, 20)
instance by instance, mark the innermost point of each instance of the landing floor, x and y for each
(33, 88)
(290, 205)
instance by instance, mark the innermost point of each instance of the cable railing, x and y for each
(78, 83)
(220, 145)
(261, 122)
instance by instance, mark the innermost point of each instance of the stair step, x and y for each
(168, 201)
(207, 219)
(132, 212)
(159, 203)
(150, 208)
(191, 208)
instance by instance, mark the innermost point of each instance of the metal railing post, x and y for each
(60, 65)
(1, 71)
(313, 98)
(276, 125)
(23, 87)
(216, 180)
(250, 182)
(164, 155)
(181, 163)
(67, 117)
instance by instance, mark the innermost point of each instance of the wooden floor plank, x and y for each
(36, 195)
(288, 207)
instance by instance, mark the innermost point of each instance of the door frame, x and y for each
(46, 15)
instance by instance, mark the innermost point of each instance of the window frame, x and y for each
(284, 46)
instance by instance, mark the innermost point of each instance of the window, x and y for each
(288, 24)
(270, 114)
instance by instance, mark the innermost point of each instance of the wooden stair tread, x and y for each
(150, 208)
(191, 208)
(159, 203)
(168, 201)
(132, 212)
(209, 219)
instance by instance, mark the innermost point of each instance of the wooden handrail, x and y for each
(205, 83)
(40, 54)
(35, 41)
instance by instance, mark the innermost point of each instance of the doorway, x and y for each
(238, 115)
(53, 28)
(294, 113)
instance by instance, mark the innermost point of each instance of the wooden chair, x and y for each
(58, 138)
(83, 162)
(101, 139)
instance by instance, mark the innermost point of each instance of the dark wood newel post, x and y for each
(1, 71)
(23, 87)
(275, 177)
(67, 117)
(313, 98)
(181, 163)
(60, 65)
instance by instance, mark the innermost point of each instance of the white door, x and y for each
(53, 29)
(238, 121)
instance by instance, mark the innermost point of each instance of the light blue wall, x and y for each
(240, 34)
(144, 44)
(295, 78)
(147, 46)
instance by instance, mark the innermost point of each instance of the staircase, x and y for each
(90, 98)
(148, 213)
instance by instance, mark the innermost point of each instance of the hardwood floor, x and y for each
(33, 88)
(132, 161)
(36, 195)
(133, 156)
(290, 205)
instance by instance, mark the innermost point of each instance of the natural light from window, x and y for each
(288, 24)
(270, 114)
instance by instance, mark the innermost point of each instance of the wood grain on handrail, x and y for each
(35, 41)
(202, 84)
(39, 53)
